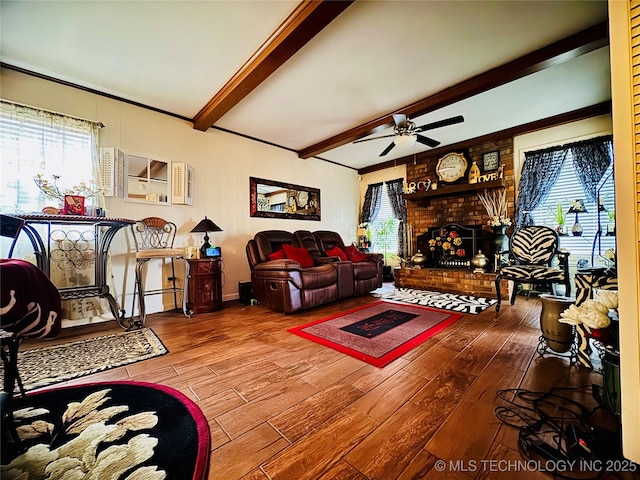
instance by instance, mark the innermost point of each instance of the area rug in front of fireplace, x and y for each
(377, 333)
(445, 301)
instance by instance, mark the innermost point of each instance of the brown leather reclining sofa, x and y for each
(284, 285)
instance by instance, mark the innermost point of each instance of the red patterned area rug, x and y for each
(378, 333)
(111, 431)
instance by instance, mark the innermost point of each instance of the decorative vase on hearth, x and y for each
(419, 259)
(479, 262)
(499, 241)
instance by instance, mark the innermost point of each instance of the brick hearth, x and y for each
(460, 281)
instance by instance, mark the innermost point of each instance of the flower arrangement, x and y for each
(495, 202)
(54, 192)
(595, 316)
(448, 243)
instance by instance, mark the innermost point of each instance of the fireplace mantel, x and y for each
(442, 191)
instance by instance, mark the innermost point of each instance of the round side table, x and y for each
(557, 337)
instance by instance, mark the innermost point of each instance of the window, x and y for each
(384, 229)
(34, 141)
(568, 189)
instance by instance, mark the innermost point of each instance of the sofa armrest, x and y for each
(374, 257)
(284, 264)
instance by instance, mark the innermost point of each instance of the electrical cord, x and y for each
(554, 427)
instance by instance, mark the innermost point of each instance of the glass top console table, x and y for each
(72, 250)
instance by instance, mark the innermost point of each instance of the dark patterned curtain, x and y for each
(591, 158)
(540, 172)
(371, 203)
(399, 206)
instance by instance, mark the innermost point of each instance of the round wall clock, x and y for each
(451, 167)
(303, 198)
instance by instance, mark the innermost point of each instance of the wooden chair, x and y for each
(153, 237)
(533, 249)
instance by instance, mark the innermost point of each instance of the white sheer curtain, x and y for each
(33, 142)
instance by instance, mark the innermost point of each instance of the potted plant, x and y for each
(383, 234)
(611, 226)
(560, 217)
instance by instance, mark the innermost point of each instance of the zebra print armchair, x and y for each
(533, 250)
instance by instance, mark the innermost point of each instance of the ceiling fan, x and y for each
(406, 132)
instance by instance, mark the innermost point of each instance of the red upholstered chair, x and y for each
(30, 307)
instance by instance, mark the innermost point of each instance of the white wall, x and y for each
(223, 163)
(399, 171)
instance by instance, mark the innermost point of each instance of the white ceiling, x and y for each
(373, 59)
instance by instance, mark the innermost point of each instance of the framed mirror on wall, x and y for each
(272, 199)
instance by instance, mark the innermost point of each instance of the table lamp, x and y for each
(577, 206)
(205, 225)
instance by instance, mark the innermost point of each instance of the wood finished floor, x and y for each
(282, 407)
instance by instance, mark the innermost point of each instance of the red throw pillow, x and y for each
(277, 255)
(337, 252)
(354, 254)
(300, 255)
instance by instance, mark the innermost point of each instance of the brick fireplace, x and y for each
(462, 207)
(460, 281)
(453, 205)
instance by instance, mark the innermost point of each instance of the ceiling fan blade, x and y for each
(427, 141)
(400, 120)
(440, 123)
(387, 150)
(374, 138)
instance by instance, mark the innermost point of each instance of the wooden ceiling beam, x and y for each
(304, 23)
(571, 47)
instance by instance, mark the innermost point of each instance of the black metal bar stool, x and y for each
(153, 237)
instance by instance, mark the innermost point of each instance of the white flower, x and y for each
(591, 313)
(596, 320)
(609, 298)
(594, 306)
(572, 316)
(496, 221)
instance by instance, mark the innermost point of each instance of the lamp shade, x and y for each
(405, 140)
(577, 206)
(206, 225)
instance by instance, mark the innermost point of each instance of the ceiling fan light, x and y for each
(404, 140)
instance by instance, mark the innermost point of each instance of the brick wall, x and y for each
(451, 281)
(464, 209)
